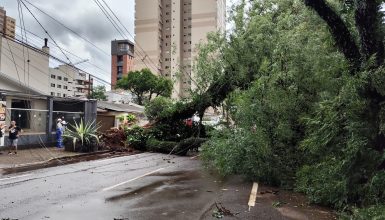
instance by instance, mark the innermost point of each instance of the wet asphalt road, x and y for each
(142, 186)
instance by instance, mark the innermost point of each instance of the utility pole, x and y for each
(89, 85)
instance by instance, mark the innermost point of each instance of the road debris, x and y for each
(221, 211)
(253, 195)
(275, 192)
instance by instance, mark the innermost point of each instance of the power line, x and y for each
(117, 27)
(66, 27)
(119, 30)
(49, 35)
(136, 43)
(112, 21)
(35, 67)
(69, 52)
(56, 58)
(139, 47)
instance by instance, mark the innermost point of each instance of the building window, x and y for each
(53, 76)
(53, 85)
(123, 46)
(52, 93)
(59, 86)
(64, 95)
(58, 94)
(120, 69)
(65, 79)
(59, 78)
(120, 58)
(65, 87)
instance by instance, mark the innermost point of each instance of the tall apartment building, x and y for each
(3, 15)
(169, 31)
(10, 26)
(122, 55)
(7, 24)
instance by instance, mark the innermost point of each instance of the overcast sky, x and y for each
(82, 16)
(86, 19)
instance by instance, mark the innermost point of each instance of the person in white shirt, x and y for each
(59, 133)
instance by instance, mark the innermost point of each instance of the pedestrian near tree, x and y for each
(59, 133)
(14, 134)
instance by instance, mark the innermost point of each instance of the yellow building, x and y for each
(9, 27)
(7, 24)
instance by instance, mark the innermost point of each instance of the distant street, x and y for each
(143, 186)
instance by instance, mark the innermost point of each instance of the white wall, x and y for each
(14, 63)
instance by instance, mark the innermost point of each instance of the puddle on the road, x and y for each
(167, 187)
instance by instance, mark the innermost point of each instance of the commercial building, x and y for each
(7, 24)
(169, 30)
(122, 55)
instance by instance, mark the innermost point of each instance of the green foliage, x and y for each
(144, 84)
(160, 146)
(343, 165)
(374, 213)
(137, 137)
(292, 53)
(84, 133)
(306, 121)
(159, 107)
(98, 93)
(129, 118)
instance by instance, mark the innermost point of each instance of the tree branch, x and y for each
(339, 31)
(367, 22)
(214, 96)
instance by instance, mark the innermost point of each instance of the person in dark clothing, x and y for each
(14, 133)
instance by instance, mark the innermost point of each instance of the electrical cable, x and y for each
(66, 27)
(45, 30)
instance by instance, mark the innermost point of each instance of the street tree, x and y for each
(99, 93)
(308, 79)
(145, 85)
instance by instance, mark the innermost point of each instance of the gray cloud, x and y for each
(86, 19)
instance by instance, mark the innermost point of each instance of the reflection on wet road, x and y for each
(143, 186)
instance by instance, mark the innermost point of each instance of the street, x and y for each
(142, 186)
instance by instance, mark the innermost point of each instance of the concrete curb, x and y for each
(52, 162)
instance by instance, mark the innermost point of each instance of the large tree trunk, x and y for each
(339, 30)
(213, 97)
(368, 23)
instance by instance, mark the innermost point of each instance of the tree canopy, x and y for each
(99, 93)
(145, 85)
(304, 79)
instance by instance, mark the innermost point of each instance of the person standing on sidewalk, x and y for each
(14, 133)
(59, 133)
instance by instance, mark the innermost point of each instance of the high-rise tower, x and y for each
(122, 52)
(168, 32)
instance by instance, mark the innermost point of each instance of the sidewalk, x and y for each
(32, 156)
